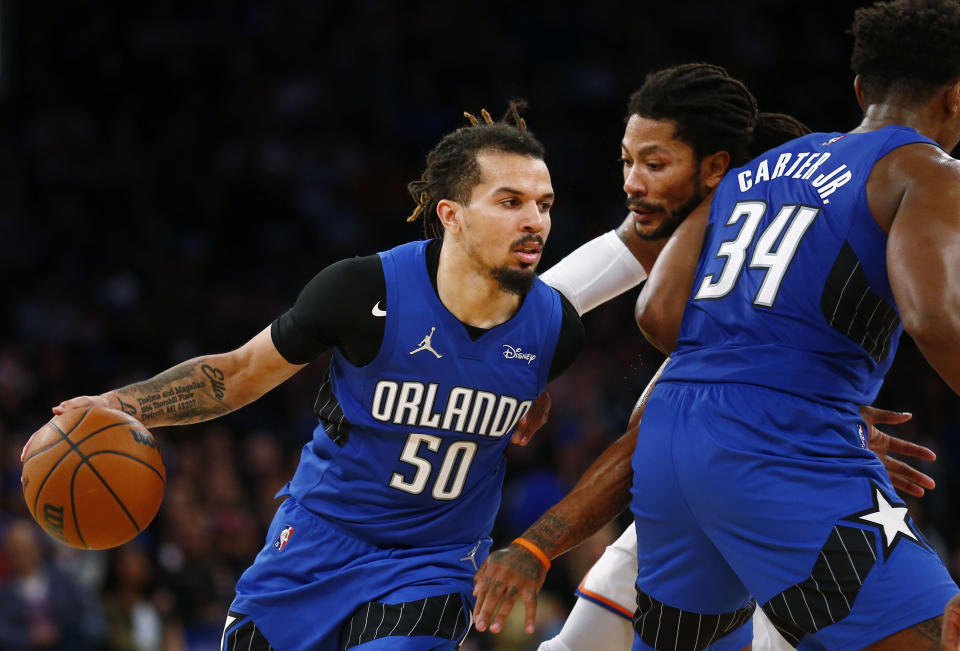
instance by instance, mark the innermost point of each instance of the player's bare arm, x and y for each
(514, 572)
(661, 303)
(601, 494)
(198, 389)
(923, 256)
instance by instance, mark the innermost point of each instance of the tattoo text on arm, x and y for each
(187, 393)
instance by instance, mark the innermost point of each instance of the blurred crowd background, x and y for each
(172, 173)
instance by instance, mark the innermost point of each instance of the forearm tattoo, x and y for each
(549, 533)
(190, 392)
(929, 632)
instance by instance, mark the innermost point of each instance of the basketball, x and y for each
(93, 478)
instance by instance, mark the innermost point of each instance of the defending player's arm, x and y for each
(661, 303)
(601, 494)
(602, 269)
(923, 258)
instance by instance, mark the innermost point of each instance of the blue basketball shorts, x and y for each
(743, 496)
(314, 587)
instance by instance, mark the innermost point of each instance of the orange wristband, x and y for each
(533, 549)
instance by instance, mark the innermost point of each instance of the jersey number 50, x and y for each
(792, 218)
(459, 454)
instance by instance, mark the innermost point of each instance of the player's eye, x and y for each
(545, 206)
(654, 166)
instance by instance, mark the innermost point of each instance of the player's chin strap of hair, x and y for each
(533, 549)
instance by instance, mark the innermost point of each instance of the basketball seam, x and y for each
(43, 449)
(74, 447)
(86, 460)
(64, 437)
(131, 457)
(73, 504)
(56, 443)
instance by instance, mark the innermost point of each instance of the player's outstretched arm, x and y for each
(516, 573)
(661, 303)
(601, 269)
(923, 258)
(198, 389)
(601, 494)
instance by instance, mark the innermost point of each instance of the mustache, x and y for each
(645, 206)
(530, 237)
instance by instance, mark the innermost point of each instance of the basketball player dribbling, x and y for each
(388, 514)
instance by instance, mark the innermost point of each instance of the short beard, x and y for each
(513, 281)
(672, 220)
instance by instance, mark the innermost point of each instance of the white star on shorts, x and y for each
(893, 519)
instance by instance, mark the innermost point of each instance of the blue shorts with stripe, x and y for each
(312, 586)
(744, 494)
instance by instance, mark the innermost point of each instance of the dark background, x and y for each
(172, 174)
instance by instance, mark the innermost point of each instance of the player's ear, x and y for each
(449, 213)
(713, 167)
(952, 98)
(858, 91)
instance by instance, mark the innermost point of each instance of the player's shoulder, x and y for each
(347, 279)
(918, 168)
(352, 270)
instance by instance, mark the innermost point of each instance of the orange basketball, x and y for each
(93, 478)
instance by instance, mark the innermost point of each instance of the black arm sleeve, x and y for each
(335, 309)
(570, 341)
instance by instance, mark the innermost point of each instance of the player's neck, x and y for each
(470, 293)
(919, 118)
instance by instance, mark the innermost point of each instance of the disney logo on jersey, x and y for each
(516, 353)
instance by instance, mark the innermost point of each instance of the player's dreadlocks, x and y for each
(452, 168)
(909, 47)
(712, 110)
(774, 129)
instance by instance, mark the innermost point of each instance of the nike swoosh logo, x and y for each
(376, 311)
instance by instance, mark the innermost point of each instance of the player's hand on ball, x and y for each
(533, 420)
(902, 475)
(506, 575)
(80, 402)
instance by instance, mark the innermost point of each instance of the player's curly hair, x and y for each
(452, 168)
(909, 47)
(712, 112)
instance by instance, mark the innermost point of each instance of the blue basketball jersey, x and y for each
(429, 417)
(791, 290)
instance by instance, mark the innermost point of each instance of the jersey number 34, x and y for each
(774, 251)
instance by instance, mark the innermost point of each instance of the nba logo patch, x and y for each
(863, 439)
(283, 538)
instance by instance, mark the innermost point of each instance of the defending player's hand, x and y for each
(507, 574)
(80, 402)
(950, 635)
(533, 420)
(903, 476)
